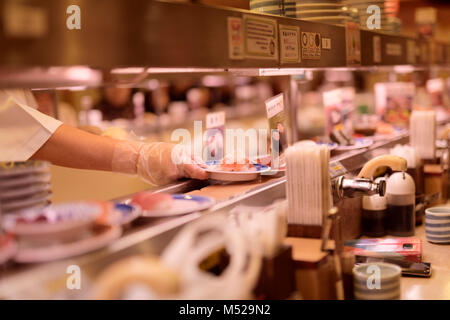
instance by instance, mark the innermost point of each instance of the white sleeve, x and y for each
(23, 129)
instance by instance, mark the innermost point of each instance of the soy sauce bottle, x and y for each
(400, 195)
(373, 217)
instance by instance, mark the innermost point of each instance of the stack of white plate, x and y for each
(324, 11)
(267, 6)
(24, 185)
(386, 10)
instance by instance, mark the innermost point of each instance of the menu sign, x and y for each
(277, 125)
(435, 89)
(261, 38)
(235, 38)
(215, 126)
(289, 44)
(394, 102)
(332, 102)
(311, 45)
(353, 43)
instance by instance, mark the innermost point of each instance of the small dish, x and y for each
(125, 213)
(215, 173)
(360, 143)
(182, 204)
(98, 239)
(55, 222)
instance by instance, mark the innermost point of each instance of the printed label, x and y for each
(376, 49)
(21, 20)
(311, 45)
(235, 38)
(261, 38)
(326, 43)
(353, 44)
(289, 44)
(215, 119)
(274, 105)
(393, 49)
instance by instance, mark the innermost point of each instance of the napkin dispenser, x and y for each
(347, 193)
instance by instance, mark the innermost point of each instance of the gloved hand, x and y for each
(157, 163)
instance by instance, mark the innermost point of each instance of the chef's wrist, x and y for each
(126, 157)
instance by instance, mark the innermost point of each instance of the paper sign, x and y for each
(353, 43)
(235, 38)
(411, 51)
(326, 43)
(311, 45)
(394, 102)
(332, 101)
(435, 89)
(277, 126)
(393, 49)
(376, 49)
(261, 38)
(20, 20)
(289, 44)
(274, 105)
(214, 135)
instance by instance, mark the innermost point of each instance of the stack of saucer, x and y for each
(267, 6)
(24, 185)
(376, 281)
(364, 14)
(324, 11)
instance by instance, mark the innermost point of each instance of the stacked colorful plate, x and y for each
(366, 13)
(63, 230)
(24, 185)
(267, 6)
(324, 11)
(437, 224)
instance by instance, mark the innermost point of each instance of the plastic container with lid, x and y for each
(373, 218)
(400, 195)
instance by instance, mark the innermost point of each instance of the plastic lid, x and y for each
(400, 183)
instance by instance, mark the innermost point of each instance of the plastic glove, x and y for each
(157, 163)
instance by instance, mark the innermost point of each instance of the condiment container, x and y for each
(373, 217)
(400, 195)
(435, 182)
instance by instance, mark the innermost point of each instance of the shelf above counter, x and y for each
(190, 37)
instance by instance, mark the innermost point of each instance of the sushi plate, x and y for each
(95, 241)
(182, 204)
(360, 143)
(126, 213)
(216, 173)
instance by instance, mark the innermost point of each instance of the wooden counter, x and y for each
(436, 287)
